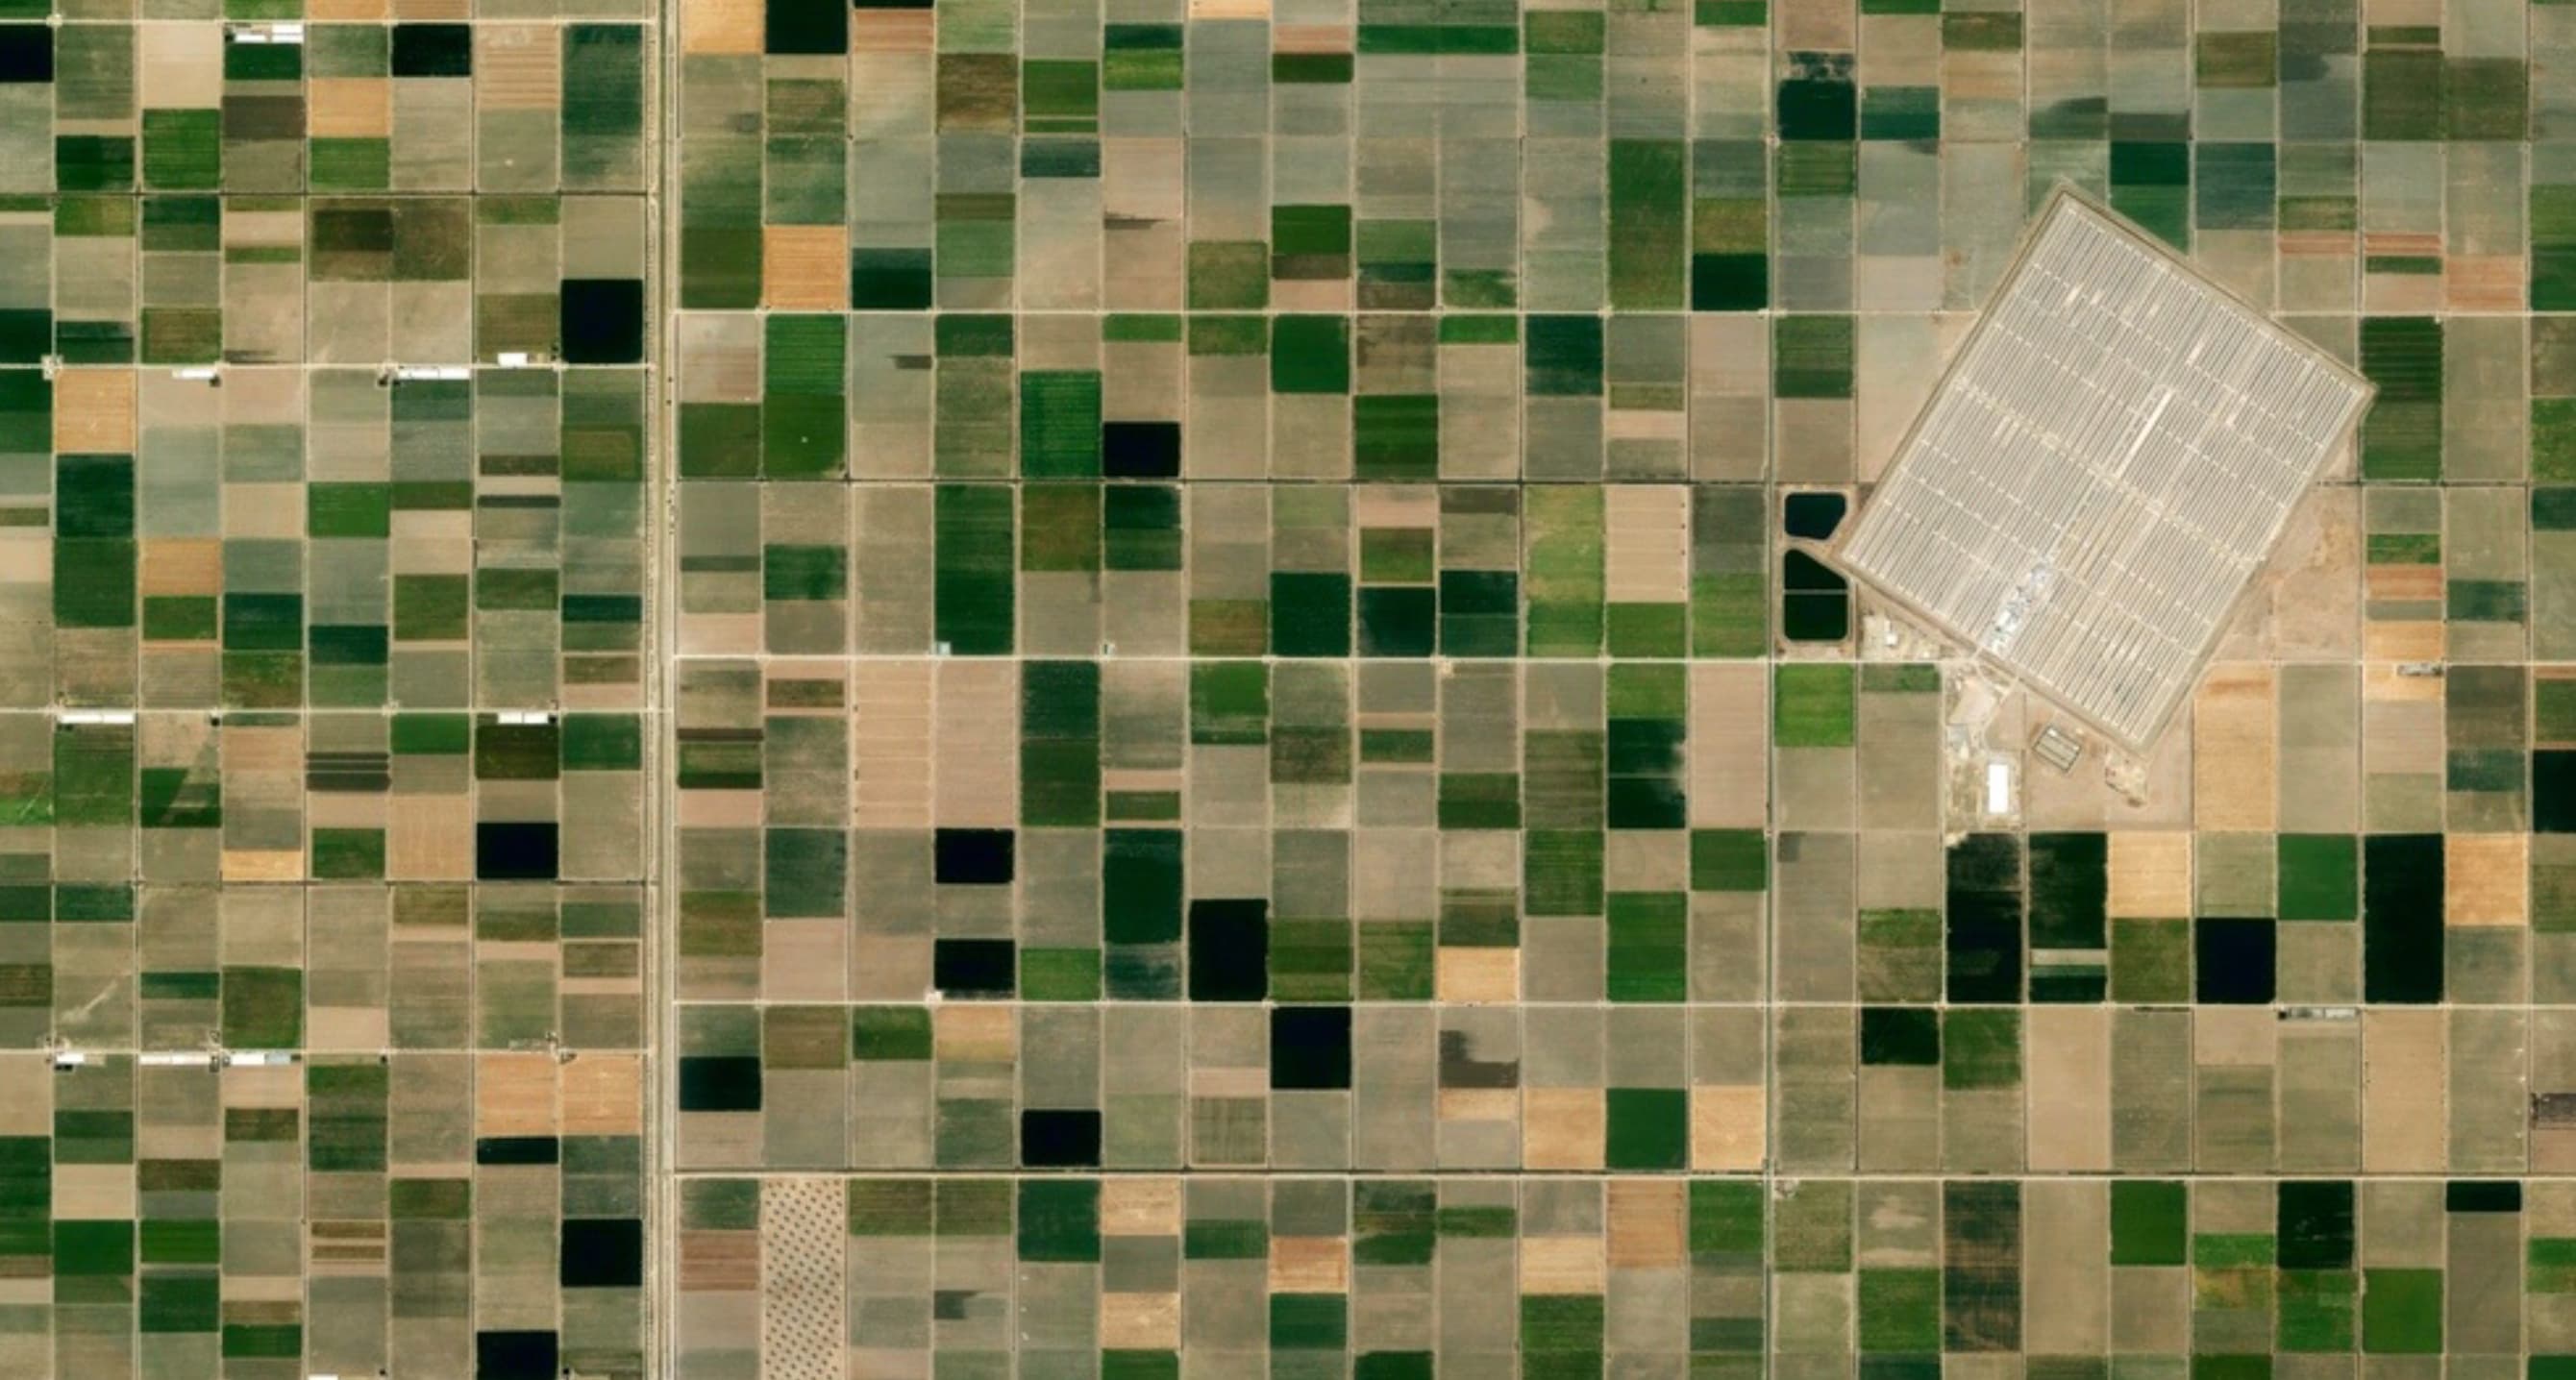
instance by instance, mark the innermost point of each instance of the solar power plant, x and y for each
(1173, 690)
(2103, 469)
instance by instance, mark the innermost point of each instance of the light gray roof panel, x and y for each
(2103, 469)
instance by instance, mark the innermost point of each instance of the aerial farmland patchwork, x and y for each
(1219, 688)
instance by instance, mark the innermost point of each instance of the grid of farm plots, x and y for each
(324, 687)
(1264, 778)
(1255, 776)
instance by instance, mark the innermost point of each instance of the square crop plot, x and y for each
(2111, 459)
